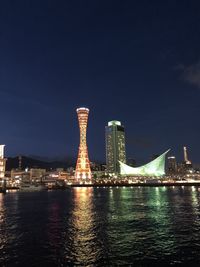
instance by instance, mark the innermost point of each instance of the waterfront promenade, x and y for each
(116, 184)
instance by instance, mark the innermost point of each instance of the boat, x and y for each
(3, 186)
(32, 187)
(3, 190)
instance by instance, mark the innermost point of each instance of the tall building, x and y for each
(172, 165)
(83, 170)
(115, 146)
(2, 162)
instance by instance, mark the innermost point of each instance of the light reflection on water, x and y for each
(101, 227)
(81, 229)
(2, 224)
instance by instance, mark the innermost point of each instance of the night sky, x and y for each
(133, 61)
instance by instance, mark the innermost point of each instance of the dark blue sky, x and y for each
(134, 61)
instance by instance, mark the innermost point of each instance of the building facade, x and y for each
(115, 146)
(2, 162)
(172, 165)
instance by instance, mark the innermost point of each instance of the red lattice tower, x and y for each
(83, 170)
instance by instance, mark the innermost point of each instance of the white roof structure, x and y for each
(154, 168)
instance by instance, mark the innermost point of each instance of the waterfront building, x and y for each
(71, 171)
(115, 146)
(98, 174)
(32, 175)
(2, 162)
(37, 174)
(172, 165)
(154, 168)
(97, 166)
(63, 175)
(83, 170)
(196, 167)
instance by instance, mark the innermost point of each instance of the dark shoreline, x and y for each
(108, 185)
(135, 185)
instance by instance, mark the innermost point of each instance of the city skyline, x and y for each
(99, 136)
(138, 64)
(121, 143)
(115, 143)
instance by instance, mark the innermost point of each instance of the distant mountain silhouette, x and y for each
(50, 159)
(27, 162)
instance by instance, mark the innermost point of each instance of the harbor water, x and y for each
(140, 226)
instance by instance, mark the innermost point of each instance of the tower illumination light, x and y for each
(83, 170)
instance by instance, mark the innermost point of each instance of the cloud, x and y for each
(191, 73)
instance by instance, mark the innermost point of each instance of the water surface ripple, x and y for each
(101, 227)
